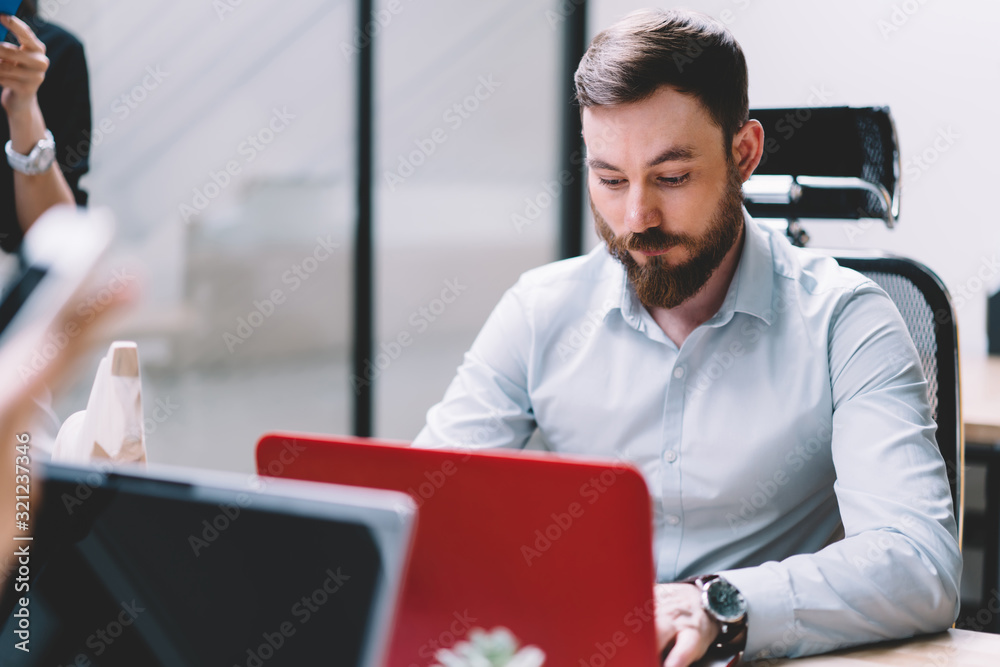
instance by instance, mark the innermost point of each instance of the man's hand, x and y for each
(682, 624)
(22, 68)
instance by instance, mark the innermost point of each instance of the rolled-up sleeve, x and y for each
(896, 572)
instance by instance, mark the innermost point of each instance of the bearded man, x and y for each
(773, 400)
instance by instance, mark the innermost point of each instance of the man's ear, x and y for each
(748, 147)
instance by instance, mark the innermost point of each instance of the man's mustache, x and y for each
(652, 240)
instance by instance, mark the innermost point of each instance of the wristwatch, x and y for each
(37, 161)
(723, 602)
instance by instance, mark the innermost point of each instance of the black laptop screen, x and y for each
(17, 292)
(124, 576)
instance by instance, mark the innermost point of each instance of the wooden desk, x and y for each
(954, 648)
(980, 379)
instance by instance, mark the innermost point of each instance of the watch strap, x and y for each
(732, 636)
(29, 164)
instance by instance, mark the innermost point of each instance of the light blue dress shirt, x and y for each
(799, 406)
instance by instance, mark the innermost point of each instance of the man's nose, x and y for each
(641, 210)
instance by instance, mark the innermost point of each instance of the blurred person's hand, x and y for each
(17, 388)
(22, 68)
(22, 71)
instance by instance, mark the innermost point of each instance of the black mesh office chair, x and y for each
(843, 164)
(923, 301)
(839, 163)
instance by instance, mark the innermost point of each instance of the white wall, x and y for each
(227, 72)
(935, 63)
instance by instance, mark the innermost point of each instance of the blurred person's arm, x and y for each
(22, 70)
(18, 408)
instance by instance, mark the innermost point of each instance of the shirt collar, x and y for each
(749, 292)
(617, 292)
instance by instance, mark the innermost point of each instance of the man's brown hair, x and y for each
(651, 48)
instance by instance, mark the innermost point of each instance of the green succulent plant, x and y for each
(498, 648)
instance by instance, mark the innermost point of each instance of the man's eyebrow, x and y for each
(595, 163)
(673, 154)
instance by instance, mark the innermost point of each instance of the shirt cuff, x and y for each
(770, 617)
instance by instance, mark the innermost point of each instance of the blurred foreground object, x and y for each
(498, 648)
(42, 330)
(111, 426)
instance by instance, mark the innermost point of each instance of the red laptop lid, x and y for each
(558, 551)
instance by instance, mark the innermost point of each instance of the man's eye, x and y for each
(611, 182)
(674, 180)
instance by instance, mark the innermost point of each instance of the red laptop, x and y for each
(558, 551)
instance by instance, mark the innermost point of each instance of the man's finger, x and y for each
(690, 646)
(665, 642)
(666, 631)
(25, 37)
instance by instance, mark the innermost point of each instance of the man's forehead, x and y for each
(665, 127)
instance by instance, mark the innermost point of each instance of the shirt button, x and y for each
(679, 372)
(673, 519)
(670, 456)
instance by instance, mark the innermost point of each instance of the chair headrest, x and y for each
(826, 163)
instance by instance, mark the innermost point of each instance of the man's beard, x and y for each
(659, 285)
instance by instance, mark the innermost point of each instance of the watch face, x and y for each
(725, 601)
(45, 158)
